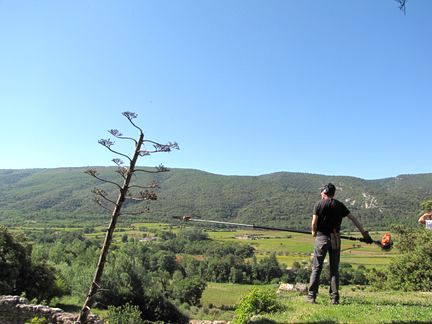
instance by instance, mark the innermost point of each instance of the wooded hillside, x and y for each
(279, 199)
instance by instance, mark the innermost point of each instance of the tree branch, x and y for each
(402, 5)
(116, 133)
(102, 193)
(160, 168)
(130, 115)
(108, 143)
(148, 171)
(163, 147)
(143, 195)
(150, 186)
(99, 202)
(136, 213)
(93, 173)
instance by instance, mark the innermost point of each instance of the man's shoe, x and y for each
(311, 300)
(335, 302)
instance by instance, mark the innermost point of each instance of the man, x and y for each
(326, 223)
(426, 219)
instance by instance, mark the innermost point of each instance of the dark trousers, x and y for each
(321, 247)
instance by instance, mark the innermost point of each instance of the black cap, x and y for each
(329, 189)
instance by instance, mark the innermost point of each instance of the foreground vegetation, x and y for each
(357, 307)
(185, 272)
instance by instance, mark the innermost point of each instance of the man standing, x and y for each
(426, 219)
(326, 223)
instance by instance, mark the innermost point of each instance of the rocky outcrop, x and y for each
(17, 310)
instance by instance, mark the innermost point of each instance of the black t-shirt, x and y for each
(330, 213)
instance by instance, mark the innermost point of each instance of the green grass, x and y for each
(357, 306)
(71, 304)
(291, 247)
(226, 294)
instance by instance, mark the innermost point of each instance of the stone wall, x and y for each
(17, 310)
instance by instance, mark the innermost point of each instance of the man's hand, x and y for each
(314, 234)
(367, 238)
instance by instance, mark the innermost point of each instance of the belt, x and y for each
(323, 234)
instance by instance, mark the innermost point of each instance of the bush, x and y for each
(189, 290)
(126, 314)
(193, 234)
(268, 269)
(377, 278)
(257, 301)
(38, 320)
(412, 270)
(19, 274)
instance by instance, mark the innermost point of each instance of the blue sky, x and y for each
(245, 87)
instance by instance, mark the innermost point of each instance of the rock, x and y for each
(15, 309)
(285, 287)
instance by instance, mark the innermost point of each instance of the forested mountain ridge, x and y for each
(280, 199)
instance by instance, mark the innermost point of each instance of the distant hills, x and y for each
(285, 199)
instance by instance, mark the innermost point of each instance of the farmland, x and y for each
(288, 247)
(298, 247)
(360, 304)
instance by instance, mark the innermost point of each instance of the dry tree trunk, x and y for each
(124, 194)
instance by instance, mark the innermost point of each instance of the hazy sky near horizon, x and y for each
(245, 87)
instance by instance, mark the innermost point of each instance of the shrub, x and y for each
(189, 290)
(257, 301)
(19, 274)
(38, 320)
(412, 270)
(126, 314)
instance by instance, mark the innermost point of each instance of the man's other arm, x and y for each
(314, 225)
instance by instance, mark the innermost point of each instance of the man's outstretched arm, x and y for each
(357, 223)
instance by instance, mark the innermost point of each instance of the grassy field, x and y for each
(357, 306)
(224, 294)
(288, 247)
(291, 247)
